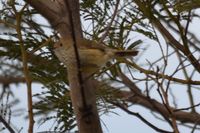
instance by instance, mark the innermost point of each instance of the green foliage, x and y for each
(187, 5)
(126, 22)
(56, 100)
(44, 68)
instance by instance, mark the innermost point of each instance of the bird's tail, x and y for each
(126, 53)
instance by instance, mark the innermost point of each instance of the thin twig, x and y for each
(140, 117)
(181, 109)
(159, 75)
(6, 124)
(110, 24)
(26, 72)
(185, 73)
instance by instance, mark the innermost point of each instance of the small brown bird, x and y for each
(92, 55)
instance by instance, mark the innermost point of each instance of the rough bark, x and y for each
(58, 16)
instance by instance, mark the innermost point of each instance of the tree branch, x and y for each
(6, 124)
(47, 8)
(160, 75)
(11, 80)
(140, 117)
(110, 24)
(146, 10)
(26, 72)
(136, 97)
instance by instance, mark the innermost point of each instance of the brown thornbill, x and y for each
(92, 55)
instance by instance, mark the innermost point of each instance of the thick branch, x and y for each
(55, 12)
(136, 97)
(47, 8)
(185, 117)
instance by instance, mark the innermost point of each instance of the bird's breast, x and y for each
(93, 57)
